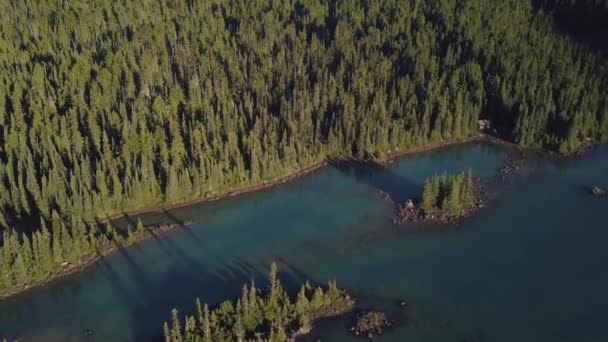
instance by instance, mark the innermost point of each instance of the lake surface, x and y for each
(529, 267)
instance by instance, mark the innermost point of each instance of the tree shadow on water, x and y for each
(168, 246)
(182, 225)
(379, 177)
(149, 299)
(140, 277)
(177, 290)
(121, 290)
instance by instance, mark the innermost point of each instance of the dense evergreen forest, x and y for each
(263, 316)
(31, 259)
(111, 106)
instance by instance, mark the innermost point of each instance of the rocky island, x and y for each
(445, 198)
(599, 191)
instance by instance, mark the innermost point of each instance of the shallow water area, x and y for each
(529, 267)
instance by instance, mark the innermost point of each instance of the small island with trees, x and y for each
(271, 316)
(445, 198)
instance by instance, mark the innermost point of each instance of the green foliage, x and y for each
(451, 202)
(130, 237)
(112, 106)
(25, 261)
(105, 110)
(271, 317)
(429, 195)
(139, 228)
(448, 194)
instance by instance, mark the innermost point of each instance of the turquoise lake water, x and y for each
(531, 266)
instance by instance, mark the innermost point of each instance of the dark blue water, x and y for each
(529, 267)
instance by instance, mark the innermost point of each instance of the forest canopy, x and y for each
(111, 106)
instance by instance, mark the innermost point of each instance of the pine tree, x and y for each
(130, 237)
(167, 332)
(468, 190)
(451, 202)
(57, 239)
(176, 330)
(302, 307)
(20, 271)
(199, 312)
(429, 197)
(5, 275)
(140, 229)
(190, 330)
(206, 325)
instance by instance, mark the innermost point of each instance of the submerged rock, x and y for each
(383, 195)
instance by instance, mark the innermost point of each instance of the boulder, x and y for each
(597, 191)
(409, 204)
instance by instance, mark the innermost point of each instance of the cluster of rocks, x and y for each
(599, 191)
(409, 212)
(515, 167)
(506, 169)
(370, 323)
